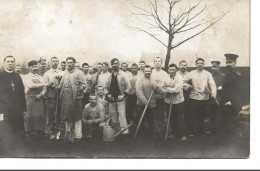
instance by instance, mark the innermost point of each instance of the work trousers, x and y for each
(147, 126)
(94, 129)
(198, 114)
(131, 107)
(177, 119)
(117, 113)
(159, 118)
(52, 116)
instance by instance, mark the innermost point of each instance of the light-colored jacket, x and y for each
(123, 82)
(202, 82)
(75, 79)
(175, 84)
(144, 88)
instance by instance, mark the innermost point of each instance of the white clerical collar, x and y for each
(8, 71)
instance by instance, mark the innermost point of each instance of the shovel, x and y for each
(146, 106)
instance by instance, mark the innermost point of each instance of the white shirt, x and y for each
(202, 82)
(31, 80)
(158, 78)
(50, 76)
(102, 80)
(175, 84)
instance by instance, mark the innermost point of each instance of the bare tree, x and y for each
(179, 17)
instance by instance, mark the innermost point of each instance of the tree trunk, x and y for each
(168, 54)
(167, 59)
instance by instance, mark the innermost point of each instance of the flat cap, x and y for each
(31, 63)
(215, 62)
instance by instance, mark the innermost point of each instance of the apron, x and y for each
(34, 119)
(71, 109)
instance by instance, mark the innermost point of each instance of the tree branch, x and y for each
(178, 44)
(150, 34)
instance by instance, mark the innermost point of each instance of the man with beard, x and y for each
(235, 96)
(51, 81)
(104, 77)
(35, 90)
(72, 85)
(12, 108)
(214, 112)
(119, 87)
(203, 85)
(144, 88)
(158, 77)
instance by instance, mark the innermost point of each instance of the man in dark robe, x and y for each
(12, 107)
(235, 96)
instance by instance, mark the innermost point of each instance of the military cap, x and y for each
(31, 63)
(232, 57)
(215, 62)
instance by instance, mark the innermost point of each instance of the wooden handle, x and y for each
(146, 106)
(168, 121)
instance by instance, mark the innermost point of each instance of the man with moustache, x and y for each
(12, 108)
(186, 92)
(43, 66)
(93, 118)
(124, 67)
(141, 70)
(236, 94)
(35, 90)
(119, 87)
(132, 98)
(63, 65)
(173, 92)
(202, 86)
(214, 112)
(72, 85)
(96, 76)
(51, 81)
(144, 88)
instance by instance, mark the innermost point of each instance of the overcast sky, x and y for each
(93, 30)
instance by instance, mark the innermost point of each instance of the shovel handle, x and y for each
(120, 132)
(146, 106)
(168, 121)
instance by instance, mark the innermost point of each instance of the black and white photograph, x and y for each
(125, 79)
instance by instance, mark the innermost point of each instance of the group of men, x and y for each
(195, 102)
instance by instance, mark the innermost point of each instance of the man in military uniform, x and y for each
(235, 96)
(43, 66)
(213, 106)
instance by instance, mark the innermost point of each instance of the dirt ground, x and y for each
(204, 146)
